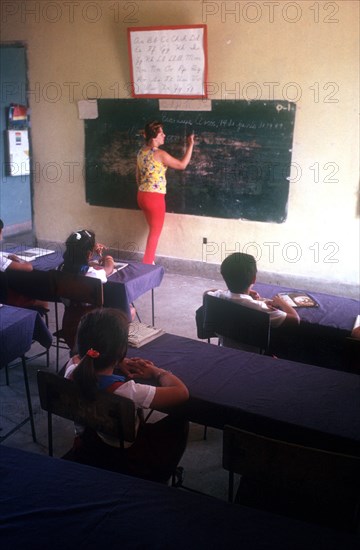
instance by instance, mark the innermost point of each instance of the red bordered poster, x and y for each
(168, 62)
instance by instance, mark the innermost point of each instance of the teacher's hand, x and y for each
(191, 139)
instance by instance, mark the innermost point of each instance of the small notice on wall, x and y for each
(185, 105)
(168, 62)
(19, 153)
(88, 109)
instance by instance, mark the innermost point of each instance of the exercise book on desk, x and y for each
(141, 334)
(357, 322)
(30, 254)
(298, 299)
(118, 266)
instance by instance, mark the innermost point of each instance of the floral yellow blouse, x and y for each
(151, 173)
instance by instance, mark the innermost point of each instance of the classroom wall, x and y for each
(305, 52)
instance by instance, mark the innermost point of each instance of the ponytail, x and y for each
(85, 377)
(101, 341)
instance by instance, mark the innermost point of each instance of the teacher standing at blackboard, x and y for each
(151, 166)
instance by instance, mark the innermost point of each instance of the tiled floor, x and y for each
(175, 303)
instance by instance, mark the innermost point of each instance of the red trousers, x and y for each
(153, 206)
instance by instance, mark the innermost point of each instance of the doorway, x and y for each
(15, 190)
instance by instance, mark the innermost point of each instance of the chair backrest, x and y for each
(3, 287)
(239, 323)
(35, 284)
(79, 288)
(351, 354)
(109, 414)
(310, 483)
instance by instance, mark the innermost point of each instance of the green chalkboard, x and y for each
(240, 166)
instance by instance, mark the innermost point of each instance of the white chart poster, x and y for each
(19, 153)
(168, 62)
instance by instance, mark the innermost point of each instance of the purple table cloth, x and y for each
(303, 403)
(320, 338)
(334, 312)
(123, 287)
(18, 328)
(46, 499)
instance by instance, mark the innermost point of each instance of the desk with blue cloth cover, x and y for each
(18, 328)
(320, 337)
(123, 287)
(52, 503)
(297, 402)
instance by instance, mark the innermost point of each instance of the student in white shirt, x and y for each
(11, 262)
(102, 339)
(239, 273)
(80, 247)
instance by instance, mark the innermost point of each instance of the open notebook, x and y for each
(118, 266)
(357, 322)
(141, 334)
(30, 254)
(298, 299)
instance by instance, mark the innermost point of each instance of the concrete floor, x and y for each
(175, 303)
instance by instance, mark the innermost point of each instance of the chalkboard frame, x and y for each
(160, 33)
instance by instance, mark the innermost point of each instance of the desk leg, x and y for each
(7, 374)
(28, 397)
(31, 416)
(152, 307)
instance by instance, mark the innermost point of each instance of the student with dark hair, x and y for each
(80, 247)
(151, 166)
(102, 338)
(239, 273)
(12, 262)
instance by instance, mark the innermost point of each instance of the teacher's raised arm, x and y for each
(151, 166)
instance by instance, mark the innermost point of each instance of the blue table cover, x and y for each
(18, 328)
(48, 503)
(301, 403)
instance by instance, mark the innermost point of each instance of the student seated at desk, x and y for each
(102, 339)
(81, 247)
(12, 262)
(78, 259)
(239, 273)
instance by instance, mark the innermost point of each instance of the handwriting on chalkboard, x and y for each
(240, 167)
(168, 61)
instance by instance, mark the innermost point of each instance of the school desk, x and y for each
(18, 328)
(298, 402)
(123, 287)
(52, 503)
(320, 337)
